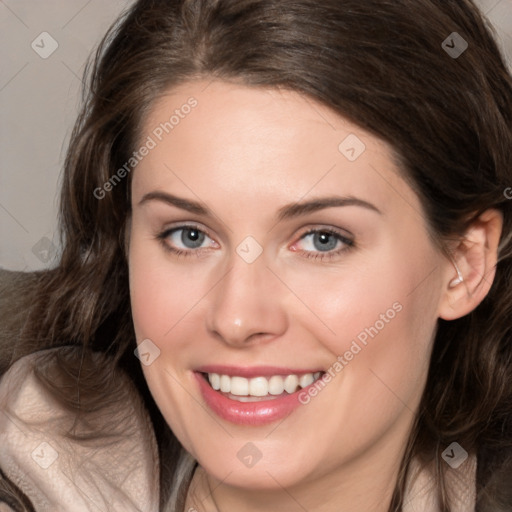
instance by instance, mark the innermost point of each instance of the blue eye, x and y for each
(320, 244)
(185, 239)
(191, 238)
(323, 243)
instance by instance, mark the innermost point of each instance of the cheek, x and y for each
(161, 294)
(377, 322)
(382, 325)
(160, 300)
(369, 300)
(147, 285)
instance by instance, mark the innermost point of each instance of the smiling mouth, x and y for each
(261, 388)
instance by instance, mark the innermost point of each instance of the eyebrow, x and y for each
(284, 213)
(179, 202)
(303, 208)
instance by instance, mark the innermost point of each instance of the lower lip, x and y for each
(249, 413)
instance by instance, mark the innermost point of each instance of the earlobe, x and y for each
(471, 268)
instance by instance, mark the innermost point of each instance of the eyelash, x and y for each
(348, 244)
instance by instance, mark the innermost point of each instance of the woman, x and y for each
(297, 212)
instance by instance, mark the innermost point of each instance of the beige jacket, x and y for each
(118, 472)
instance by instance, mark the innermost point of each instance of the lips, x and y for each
(253, 396)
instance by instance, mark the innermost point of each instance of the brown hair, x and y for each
(378, 63)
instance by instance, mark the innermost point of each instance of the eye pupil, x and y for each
(193, 234)
(324, 241)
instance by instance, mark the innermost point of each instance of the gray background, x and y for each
(39, 98)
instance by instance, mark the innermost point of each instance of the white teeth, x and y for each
(258, 387)
(306, 380)
(261, 386)
(276, 385)
(215, 381)
(290, 383)
(239, 386)
(225, 383)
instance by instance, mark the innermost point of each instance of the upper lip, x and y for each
(254, 371)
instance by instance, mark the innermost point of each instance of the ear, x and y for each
(469, 275)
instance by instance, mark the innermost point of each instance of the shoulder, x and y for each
(75, 435)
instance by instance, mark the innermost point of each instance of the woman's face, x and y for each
(271, 240)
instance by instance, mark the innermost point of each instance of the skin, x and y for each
(244, 153)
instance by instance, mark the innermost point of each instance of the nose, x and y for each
(246, 305)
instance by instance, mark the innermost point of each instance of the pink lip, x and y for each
(253, 371)
(249, 413)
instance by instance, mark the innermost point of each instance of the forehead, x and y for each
(218, 137)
